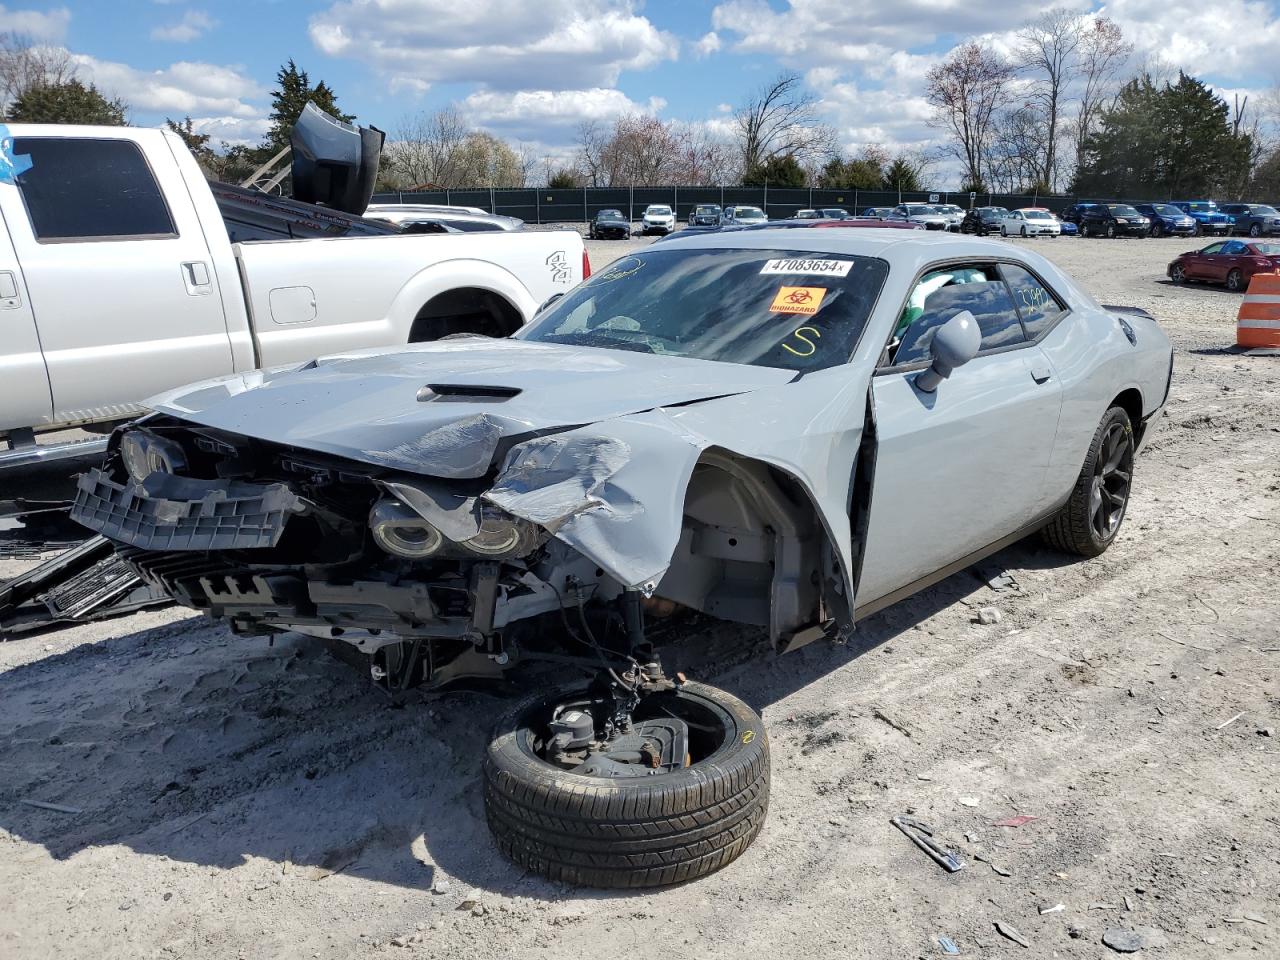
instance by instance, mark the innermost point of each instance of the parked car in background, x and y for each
(806, 214)
(953, 213)
(784, 428)
(1253, 219)
(124, 280)
(744, 215)
(705, 215)
(1167, 220)
(1029, 222)
(1209, 219)
(983, 220)
(1113, 220)
(923, 213)
(881, 213)
(834, 213)
(657, 218)
(1074, 212)
(1068, 229)
(1230, 262)
(609, 225)
(455, 219)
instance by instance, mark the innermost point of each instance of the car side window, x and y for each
(940, 295)
(84, 189)
(1235, 248)
(1039, 308)
(1213, 248)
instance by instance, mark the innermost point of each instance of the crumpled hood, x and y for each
(367, 406)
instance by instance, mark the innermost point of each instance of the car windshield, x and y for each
(1122, 210)
(707, 209)
(658, 211)
(1267, 249)
(1037, 214)
(1262, 210)
(996, 210)
(772, 308)
(1165, 210)
(1203, 206)
(609, 215)
(750, 213)
(834, 213)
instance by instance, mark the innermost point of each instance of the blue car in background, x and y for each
(1167, 220)
(1209, 219)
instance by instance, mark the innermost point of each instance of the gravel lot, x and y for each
(246, 800)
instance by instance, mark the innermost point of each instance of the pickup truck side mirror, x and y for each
(955, 344)
(549, 301)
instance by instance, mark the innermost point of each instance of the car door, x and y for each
(964, 467)
(25, 400)
(1198, 264)
(120, 279)
(1232, 257)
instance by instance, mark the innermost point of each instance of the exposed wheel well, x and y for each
(1131, 402)
(465, 310)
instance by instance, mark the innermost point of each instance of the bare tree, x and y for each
(24, 65)
(424, 151)
(1047, 50)
(966, 90)
(1103, 54)
(781, 120)
(1014, 157)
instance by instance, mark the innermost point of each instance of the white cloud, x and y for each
(567, 44)
(233, 131)
(192, 25)
(181, 89)
(49, 26)
(535, 114)
(709, 44)
(1227, 39)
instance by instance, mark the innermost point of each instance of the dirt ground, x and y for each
(244, 800)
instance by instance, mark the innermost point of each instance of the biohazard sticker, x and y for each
(801, 300)
(794, 265)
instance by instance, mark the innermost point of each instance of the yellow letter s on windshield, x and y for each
(798, 333)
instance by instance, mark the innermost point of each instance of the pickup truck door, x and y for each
(118, 271)
(25, 400)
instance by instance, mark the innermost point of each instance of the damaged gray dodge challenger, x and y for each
(790, 429)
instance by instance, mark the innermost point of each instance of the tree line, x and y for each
(1064, 109)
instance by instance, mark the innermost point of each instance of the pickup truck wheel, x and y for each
(1091, 518)
(624, 823)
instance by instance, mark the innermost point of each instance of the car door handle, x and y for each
(1040, 373)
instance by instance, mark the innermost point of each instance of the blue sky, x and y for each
(531, 71)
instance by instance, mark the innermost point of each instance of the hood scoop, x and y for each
(466, 393)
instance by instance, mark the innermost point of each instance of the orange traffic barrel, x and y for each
(1259, 322)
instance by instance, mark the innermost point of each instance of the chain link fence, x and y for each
(581, 204)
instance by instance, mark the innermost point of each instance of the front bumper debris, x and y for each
(168, 513)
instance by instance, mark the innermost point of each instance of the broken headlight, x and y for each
(502, 535)
(400, 531)
(143, 453)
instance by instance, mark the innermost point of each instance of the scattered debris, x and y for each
(55, 807)
(898, 725)
(967, 801)
(1226, 723)
(996, 578)
(1233, 919)
(1019, 821)
(948, 946)
(1255, 918)
(1056, 908)
(921, 836)
(999, 871)
(1267, 732)
(440, 886)
(1010, 933)
(1104, 906)
(467, 905)
(1123, 941)
(1128, 904)
(988, 615)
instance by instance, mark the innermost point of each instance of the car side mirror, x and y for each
(955, 344)
(556, 296)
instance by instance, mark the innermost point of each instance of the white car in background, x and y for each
(1030, 222)
(657, 218)
(925, 214)
(953, 213)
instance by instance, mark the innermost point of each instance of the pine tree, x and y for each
(903, 175)
(67, 102)
(197, 143)
(782, 171)
(293, 93)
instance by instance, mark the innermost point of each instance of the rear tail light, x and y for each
(586, 264)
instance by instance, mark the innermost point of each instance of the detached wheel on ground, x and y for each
(678, 796)
(1090, 520)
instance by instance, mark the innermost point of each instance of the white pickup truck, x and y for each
(119, 280)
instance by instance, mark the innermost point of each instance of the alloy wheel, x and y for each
(1111, 231)
(1112, 474)
(1235, 280)
(1179, 275)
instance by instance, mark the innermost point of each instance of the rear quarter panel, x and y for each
(366, 291)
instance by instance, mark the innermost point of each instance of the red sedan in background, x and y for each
(1233, 262)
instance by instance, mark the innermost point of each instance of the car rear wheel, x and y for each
(1089, 521)
(1235, 281)
(1255, 231)
(1157, 230)
(687, 795)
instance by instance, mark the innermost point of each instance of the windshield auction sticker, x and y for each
(801, 300)
(793, 265)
